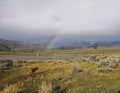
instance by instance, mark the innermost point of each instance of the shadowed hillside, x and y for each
(8, 46)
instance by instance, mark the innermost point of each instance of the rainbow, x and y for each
(55, 38)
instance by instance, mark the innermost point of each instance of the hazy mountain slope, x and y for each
(77, 44)
(8, 45)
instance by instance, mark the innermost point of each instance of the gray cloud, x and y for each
(38, 17)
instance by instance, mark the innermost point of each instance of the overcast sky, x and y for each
(31, 19)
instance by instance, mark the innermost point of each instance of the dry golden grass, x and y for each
(62, 76)
(45, 88)
(13, 88)
(59, 74)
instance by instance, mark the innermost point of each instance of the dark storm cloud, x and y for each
(34, 18)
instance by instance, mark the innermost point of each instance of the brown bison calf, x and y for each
(32, 70)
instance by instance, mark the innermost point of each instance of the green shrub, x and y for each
(113, 64)
(104, 70)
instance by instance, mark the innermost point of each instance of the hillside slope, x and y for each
(8, 46)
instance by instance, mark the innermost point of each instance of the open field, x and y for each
(74, 52)
(98, 72)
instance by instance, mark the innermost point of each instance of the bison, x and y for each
(32, 70)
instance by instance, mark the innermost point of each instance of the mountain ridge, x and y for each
(18, 46)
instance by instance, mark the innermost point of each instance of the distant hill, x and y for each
(17, 46)
(8, 46)
(75, 45)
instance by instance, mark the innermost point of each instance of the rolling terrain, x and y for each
(96, 72)
(60, 76)
(17, 46)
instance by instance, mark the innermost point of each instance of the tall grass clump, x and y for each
(73, 91)
(79, 90)
(75, 69)
(13, 88)
(45, 87)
